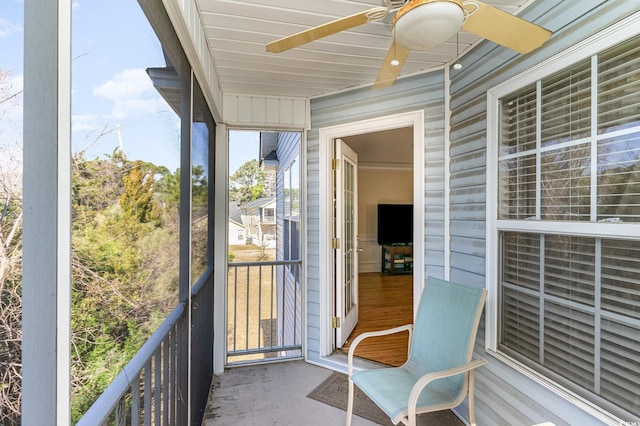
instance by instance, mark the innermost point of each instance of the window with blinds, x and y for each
(569, 303)
(566, 105)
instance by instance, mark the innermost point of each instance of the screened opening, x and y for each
(264, 297)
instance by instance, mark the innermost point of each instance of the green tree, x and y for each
(200, 187)
(124, 266)
(167, 193)
(247, 183)
(96, 185)
(10, 260)
(137, 197)
(10, 297)
(199, 222)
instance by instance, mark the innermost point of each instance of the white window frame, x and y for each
(269, 215)
(610, 37)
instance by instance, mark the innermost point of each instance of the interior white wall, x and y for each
(376, 186)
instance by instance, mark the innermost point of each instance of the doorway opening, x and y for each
(384, 242)
(390, 154)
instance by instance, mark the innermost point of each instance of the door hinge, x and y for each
(335, 164)
(335, 322)
(335, 243)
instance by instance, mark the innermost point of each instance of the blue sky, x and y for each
(11, 35)
(112, 45)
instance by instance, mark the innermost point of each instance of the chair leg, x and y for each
(412, 419)
(350, 404)
(472, 411)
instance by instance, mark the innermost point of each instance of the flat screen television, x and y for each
(395, 224)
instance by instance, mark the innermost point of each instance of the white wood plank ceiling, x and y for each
(238, 30)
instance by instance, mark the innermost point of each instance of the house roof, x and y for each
(259, 203)
(237, 32)
(234, 212)
(238, 224)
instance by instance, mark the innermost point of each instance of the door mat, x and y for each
(334, 391)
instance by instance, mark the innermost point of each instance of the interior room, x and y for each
(385, 176)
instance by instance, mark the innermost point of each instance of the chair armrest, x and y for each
(360, 338)
(428, 378)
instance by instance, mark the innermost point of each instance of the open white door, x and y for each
(346, 230)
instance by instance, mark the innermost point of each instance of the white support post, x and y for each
(46, 279)
(220, 247)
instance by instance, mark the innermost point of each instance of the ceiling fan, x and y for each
(425, 24)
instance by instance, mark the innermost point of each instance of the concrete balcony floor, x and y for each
(276, 394)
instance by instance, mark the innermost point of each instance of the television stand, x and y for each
(397, 259)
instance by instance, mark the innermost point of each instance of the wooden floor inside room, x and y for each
(385, 301)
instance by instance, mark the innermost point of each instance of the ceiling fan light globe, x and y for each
(426, 24)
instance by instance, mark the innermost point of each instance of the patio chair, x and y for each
(438, 373)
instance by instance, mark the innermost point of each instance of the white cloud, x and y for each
(8, 28)
(87, 123)
(131, 92)
(127, 84)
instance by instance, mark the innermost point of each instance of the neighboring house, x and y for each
(526, 182)
(259, 217)
(286, 161)
(237, 233)
(237, 230)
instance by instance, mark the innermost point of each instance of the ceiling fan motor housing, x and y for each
(425, 24)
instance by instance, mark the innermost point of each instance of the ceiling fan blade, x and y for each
(388, 73)
(503, 28)
(327, 29)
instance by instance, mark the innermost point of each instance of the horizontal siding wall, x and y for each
(289, 145)
(424, 92)
(313, 246)
(504, 396)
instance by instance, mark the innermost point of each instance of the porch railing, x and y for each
(263, 311)
(264, 324)
(153, 388)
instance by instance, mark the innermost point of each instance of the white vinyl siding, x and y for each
(569, 295)
(290, 278)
